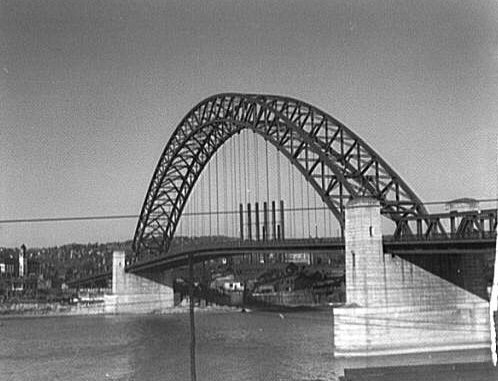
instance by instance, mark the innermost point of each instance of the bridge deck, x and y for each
(178, 256)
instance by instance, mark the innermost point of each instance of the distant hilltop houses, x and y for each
(29, 272)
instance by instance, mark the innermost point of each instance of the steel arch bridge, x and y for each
(337, 163)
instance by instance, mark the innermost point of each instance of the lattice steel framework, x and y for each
(335, 161)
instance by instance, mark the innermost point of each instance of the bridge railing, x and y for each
(255, 243)
(177, 249)
(181, 250)
(468, 236)
(476, 224)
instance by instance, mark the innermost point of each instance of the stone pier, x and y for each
(493, 307)
(394, 306)
(131, 293)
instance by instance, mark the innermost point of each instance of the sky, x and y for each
(91, 91)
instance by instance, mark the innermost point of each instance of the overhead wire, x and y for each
(129, 216)
(201, 193)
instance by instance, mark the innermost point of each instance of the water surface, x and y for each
(230, 346)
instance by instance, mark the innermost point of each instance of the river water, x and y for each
(230, 346)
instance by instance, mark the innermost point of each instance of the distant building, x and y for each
(9, 267)
(32, 267)
(265, 289)
(227, 284)
(301, 258)
(463, 205)
(22, 255)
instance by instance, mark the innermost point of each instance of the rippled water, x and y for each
(230, 346)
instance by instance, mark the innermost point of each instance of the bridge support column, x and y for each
(363, 251)
(395, 307)
(133, 293)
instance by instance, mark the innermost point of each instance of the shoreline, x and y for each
(98, 311)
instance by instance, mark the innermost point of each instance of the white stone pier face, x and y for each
(363, 253)
(493, 306)
(132, 293)
(395, 307)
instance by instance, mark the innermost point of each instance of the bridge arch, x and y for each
(335, 161)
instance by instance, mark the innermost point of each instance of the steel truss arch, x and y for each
(335, 161)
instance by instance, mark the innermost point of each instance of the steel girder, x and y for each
(335, 161)
(451, 225)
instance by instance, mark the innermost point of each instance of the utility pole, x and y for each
(193, 376)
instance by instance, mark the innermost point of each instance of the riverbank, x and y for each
(22, 310)
(18, 310)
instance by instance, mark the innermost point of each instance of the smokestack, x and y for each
(282, 224)
(249, 225)
(274, 220)
(265, 221)
(256, 212)
(241, 214)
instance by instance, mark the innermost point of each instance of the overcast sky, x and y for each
(90, 92)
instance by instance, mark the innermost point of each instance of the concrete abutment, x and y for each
(394, 306)
(132, 293)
